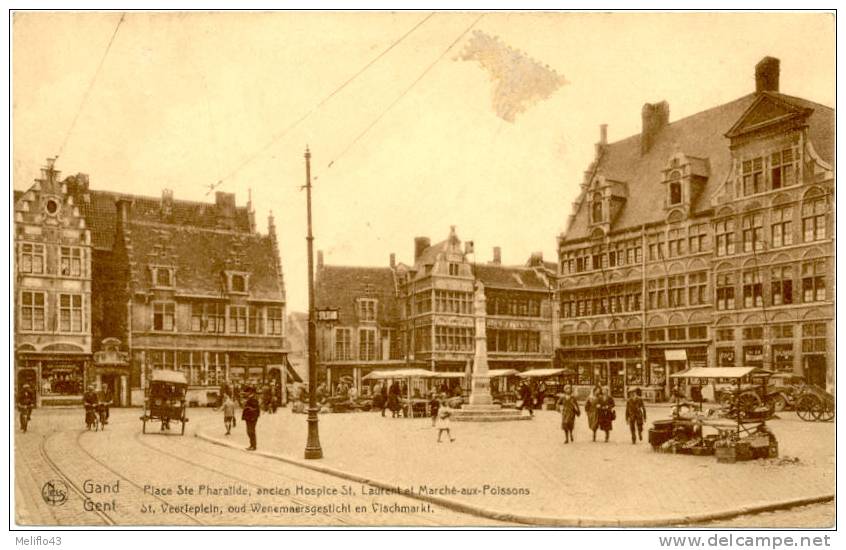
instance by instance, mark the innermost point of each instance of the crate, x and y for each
(741, 451)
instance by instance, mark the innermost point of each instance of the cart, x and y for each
(814, 403)
(164, 400)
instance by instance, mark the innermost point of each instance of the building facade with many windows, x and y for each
(134, 283)
(703, 242)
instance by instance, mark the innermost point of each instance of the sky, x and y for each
(414, 144)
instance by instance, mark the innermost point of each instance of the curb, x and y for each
(538, 521)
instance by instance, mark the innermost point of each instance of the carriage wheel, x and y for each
(777, 402)
(747, 402)
(805, 407)
(824, 412)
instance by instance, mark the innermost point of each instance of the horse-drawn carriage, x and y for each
(164, 399)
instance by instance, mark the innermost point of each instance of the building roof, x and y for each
(701, 135)
(341, 286)
(201, 257)
(510, 277)
(100, 211)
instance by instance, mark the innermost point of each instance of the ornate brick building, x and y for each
(136, 283)
(704, 241)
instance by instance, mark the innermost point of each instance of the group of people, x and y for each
(388, 398)
(250, 413)
(601, 413)
(97, 403)
(531, 395)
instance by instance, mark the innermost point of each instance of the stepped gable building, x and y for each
(358, 328)
(173, 284)
(52, 291)
(439, 318)
(702, 242)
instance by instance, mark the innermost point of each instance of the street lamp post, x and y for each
(313, 449)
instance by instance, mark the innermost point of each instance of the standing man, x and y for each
(526, 398)
(635, 414)
(250, 416)
(26, 401)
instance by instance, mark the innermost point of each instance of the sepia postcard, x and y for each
(422, 269)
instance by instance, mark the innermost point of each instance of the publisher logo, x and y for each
(55, 492)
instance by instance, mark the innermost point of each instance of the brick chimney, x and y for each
(766, 75)
(122, 205)
(497, 255)
(654, 117)
(420, 244)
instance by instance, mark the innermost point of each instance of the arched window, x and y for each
(596, 208)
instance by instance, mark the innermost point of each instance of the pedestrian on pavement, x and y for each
(26, 401)
(607, 414)
(443, 424)
(569, 412)
(541, 394)
(434, 407)
(250, 415)
(394, 399)
(592, 410)
(228, 407)
(383, 397)
(635, 414)
(526, 398)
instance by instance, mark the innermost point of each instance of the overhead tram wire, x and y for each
(90, 86)
(403, 94)
(298, 121)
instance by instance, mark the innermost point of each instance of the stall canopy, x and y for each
(402, 373)
(496, 373)
(541, 373)
(721, 372)
(169, 376)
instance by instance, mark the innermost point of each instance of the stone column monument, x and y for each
(481, 407)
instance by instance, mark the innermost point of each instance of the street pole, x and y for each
(312, 449)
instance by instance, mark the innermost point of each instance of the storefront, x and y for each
(55, 379)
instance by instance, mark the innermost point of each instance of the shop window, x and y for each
(584, 375)
(164, 316)
(32, 258)
(783, 357)
(33, 311)
(752, 289)
(70, 261)
(782, 226)
(274, 320)
(725, 357)
(725, 237)
(753, 356)
(813, 281)
(782, 285)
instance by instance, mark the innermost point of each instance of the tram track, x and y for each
(295, 500)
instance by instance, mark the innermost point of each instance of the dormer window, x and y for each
(237, 282)
(367, 310)
(675, 188)
(162, 276)
(596, 208)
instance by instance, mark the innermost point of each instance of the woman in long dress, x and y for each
(569, 412)
(592, 410)
(606, 412)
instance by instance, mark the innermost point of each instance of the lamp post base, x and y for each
(313, 449)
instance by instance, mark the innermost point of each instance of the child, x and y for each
(443, 424)
(228, 407)
(434, 407)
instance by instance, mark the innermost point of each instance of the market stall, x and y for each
(730, 432)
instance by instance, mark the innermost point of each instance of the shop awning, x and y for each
(675, 354)
(721, 372)
(496, 373)
(540, 373)
(169, 376)
(401, 373)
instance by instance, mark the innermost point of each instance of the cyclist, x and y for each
(90, 401)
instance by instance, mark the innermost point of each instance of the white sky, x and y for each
(183, 99)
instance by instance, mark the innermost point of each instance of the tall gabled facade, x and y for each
(706, 241)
